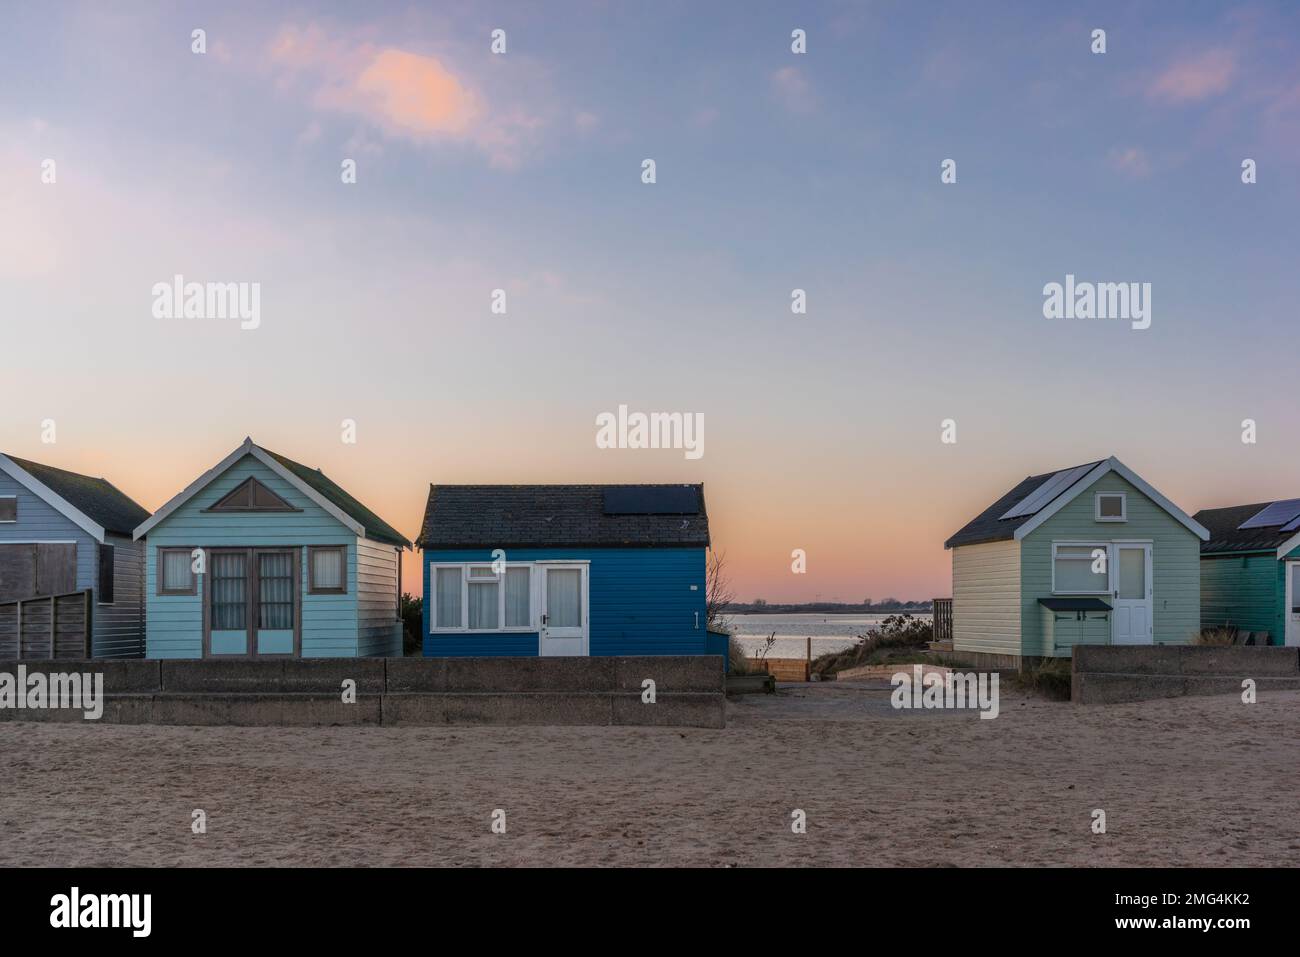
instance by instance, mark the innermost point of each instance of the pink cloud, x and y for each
(404, 94)
(793, 89)
(1130, 160)
(1195, 78)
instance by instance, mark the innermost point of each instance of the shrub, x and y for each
(412, 626)
(896, 636)
(1051, 677)
(739, 663)
(1222, 635)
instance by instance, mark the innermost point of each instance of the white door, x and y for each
(1131, 595)
(1293, 603)
(565, 625)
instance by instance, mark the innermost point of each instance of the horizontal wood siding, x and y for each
(118, 631)
(1175, 559)
(174, 623)
(379, 630)
(641, 602)
(1242, 590)
(986, 598)
(119, 628)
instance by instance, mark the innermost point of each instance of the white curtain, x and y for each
(517, 598)
(448, 592)
(483, 605)
(176, 570)
(327, 568)
(564, 598)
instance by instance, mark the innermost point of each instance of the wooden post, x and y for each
(54, 626)
(807, 668)
(89, 648)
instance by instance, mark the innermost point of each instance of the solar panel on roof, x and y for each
(1292, 526)
(1279, 513)
(1036, 500)
(659, 500)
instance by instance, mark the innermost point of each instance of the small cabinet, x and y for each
(1067, 622)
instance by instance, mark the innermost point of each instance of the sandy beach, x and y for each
(1191, 781)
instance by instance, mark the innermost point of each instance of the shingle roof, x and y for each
(990, 526)
(375, 526)
(528, 516)
(1225, 536)
(96, 498)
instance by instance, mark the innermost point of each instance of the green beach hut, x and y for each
(1250, 570)
(1091, 554)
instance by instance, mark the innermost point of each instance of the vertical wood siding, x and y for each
(174, 623)
(641, 603)
(1175, 559)
(986, 598)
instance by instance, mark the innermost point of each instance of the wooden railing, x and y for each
(943, 619)
(51, 626)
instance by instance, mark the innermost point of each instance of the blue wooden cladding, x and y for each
(565, 570)
(642, 601)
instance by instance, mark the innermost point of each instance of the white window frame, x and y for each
(1123, 507)
(1110, 565)
(14, 520)
(431, 589)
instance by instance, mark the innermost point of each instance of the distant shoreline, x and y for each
(805, 610)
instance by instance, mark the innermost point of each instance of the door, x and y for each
(1131, 595)
(564, 624)
(275, 601)
(1293, 603)
(253, 607)
(228, 603)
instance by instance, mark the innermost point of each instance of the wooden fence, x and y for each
(51, 626)
(943, 619)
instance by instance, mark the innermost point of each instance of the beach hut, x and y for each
(566, 570)
(263, 557)
(62, 533)
(1091, 554)
(1250, 570)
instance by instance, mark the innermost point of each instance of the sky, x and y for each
(774, 171)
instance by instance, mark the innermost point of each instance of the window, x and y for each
(1076, 570)
(480, 598)
(229, 591)
(104, 594)
(8, 508)
(175, 572)
(275, 591)
(517, 598)
(327, 569)
(447, 597)
(1111, 507)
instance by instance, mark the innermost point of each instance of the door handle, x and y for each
(544, 617)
